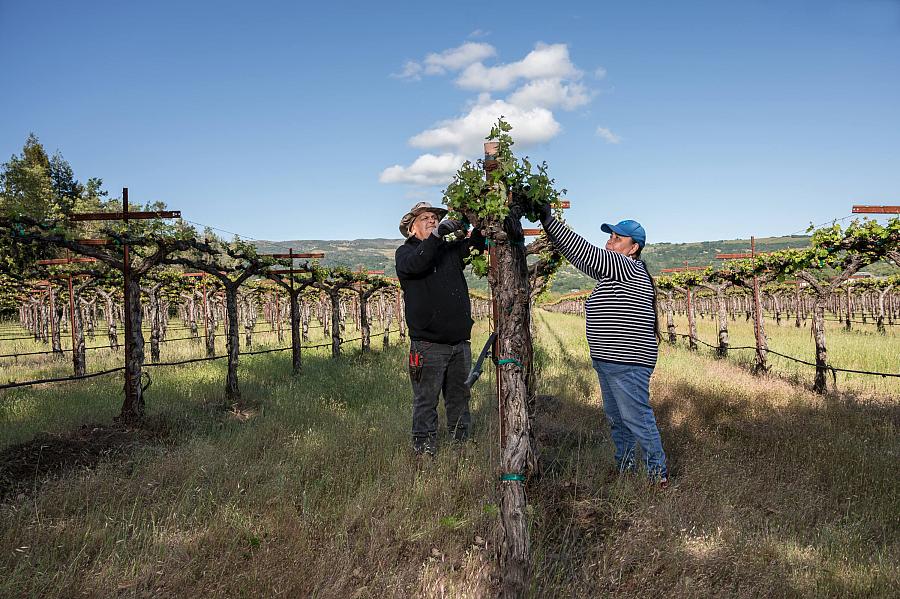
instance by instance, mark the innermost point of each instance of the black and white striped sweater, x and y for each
(620, 322)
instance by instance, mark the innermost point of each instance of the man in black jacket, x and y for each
(439, 317)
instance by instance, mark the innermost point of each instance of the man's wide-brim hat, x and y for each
(408, 218)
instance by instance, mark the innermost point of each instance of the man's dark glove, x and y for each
(446, 227)
(544, 212)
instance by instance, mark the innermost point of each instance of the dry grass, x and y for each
(312, 492)
(778, 492)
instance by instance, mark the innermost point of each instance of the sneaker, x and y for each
(663, 484)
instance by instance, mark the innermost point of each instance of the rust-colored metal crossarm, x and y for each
(734, 256)
(305, 255)
(93, 241)
(87, 216)
(200, 274)
(684, 268)
(862, 209)
(65, 261)
(374, 272)
(532, 232)
(565, 204)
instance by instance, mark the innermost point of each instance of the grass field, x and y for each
(312, 491)
(861, 348)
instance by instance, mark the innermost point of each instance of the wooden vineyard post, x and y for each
(294, 296)
(208, 336)
(508, 278)
(78, 368)
(759, 327)
(692, 320)
(133, 407)
(209, 333)
(689, 301)
(721, 314)
(54, 323)
(78, 360)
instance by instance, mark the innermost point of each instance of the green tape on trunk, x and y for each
(509, 361)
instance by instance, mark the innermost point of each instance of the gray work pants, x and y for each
(444, 368)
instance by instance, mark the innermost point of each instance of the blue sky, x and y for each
(276, 120)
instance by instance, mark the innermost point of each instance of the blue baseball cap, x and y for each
(627, 228)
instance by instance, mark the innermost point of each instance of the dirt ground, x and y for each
(23, 466)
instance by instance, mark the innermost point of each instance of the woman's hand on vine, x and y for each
(544, 212)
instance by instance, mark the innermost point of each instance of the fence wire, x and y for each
(12, 384)
(833, 369)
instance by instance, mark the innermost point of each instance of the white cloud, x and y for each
(453, 59)
(479, 33)
(600, 73)
(608, 135)
(544, 62)
(456, 58)
(427, 169)
(411, 70)
(550, 93)
(543, 81)
(465, 134)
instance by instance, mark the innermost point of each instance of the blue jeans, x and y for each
(626, 401)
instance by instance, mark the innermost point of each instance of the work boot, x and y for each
(425, 447)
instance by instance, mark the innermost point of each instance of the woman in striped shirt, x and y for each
(622, 333)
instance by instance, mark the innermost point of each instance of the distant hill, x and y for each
(378, 254)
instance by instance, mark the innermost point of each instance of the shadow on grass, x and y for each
(172, 416)
(25, 465)
(787, 499)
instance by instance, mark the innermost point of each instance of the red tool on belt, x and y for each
(416, 363)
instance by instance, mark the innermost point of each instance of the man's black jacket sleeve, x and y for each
(416, 260)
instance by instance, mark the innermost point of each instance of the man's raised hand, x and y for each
(448, 226)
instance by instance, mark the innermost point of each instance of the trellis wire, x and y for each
(67, 379)
(833, 369)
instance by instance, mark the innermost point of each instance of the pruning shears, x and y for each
(479, 363)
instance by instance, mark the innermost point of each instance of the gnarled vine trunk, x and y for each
(820, 384)
(670, 316)
(79, 360)
(759, 330)
(133, 406)
(296, 339)
(335, 323)
(510, 286)
(232, 344)
(55, 315)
